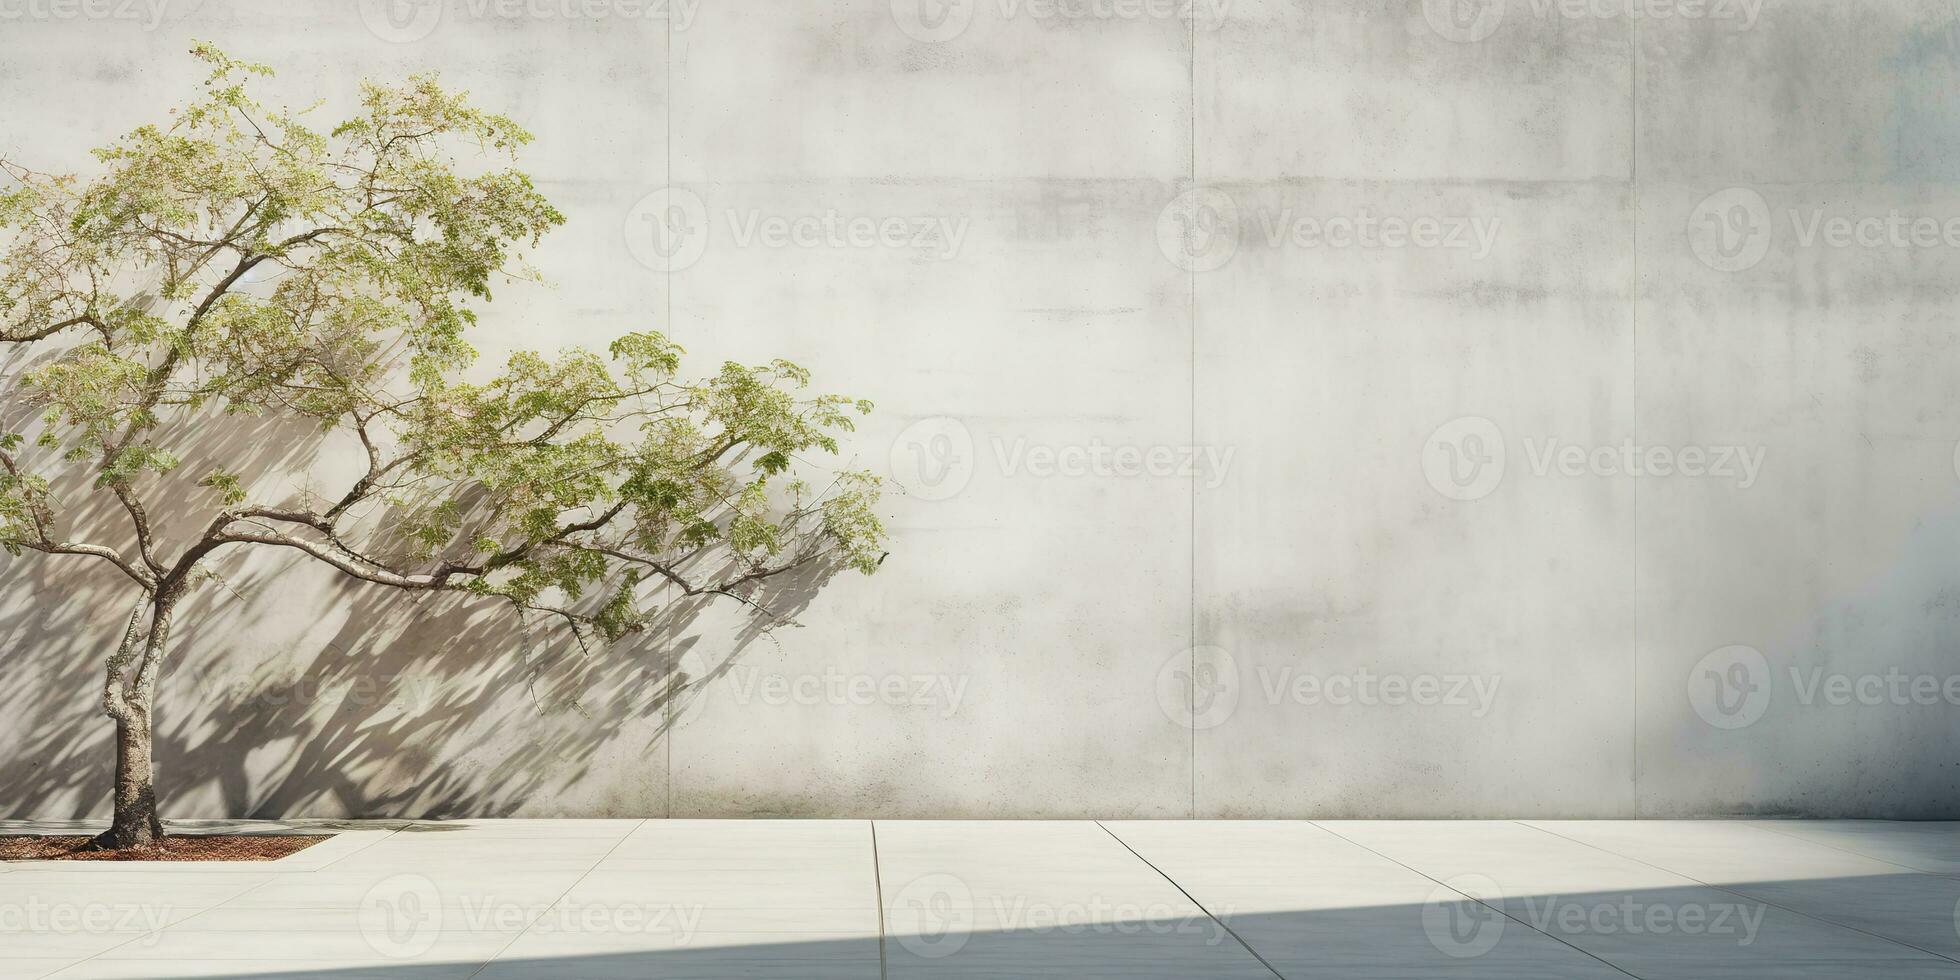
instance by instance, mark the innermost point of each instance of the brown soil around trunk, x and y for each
(214, 847)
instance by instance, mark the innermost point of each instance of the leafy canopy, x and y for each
(239, 261)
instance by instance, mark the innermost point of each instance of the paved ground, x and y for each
(510, 899)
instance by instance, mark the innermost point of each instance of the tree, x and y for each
(239, 263)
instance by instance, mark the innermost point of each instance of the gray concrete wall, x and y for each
(1265, 397)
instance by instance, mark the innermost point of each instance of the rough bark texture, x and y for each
(137, 826)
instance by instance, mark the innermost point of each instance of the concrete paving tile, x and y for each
(442, 945)
(781, 888)
(1716, 851)
(1619, 910)
(363, 969)
(1932, 846)
(31, 968)
(478, 887)
(736, 956)
(1831, 884)
(1039, 898)
(1310, 902)
(546, 828)
(1027, 954)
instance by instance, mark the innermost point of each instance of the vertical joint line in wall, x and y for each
(1192, 277)
(667, 300)
(1633, 340)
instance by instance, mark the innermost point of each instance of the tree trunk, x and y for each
(137, 825)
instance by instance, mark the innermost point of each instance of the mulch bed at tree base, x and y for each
(188, 847)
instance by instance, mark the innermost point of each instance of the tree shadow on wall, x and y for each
(292, 690)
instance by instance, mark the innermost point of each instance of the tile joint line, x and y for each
(1615, 967)
(1745, 895)
(878, 884)
(1194, 900)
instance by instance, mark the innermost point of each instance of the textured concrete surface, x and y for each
(1305, 408)
(854, 898)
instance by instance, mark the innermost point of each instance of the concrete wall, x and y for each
(1245, 357)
